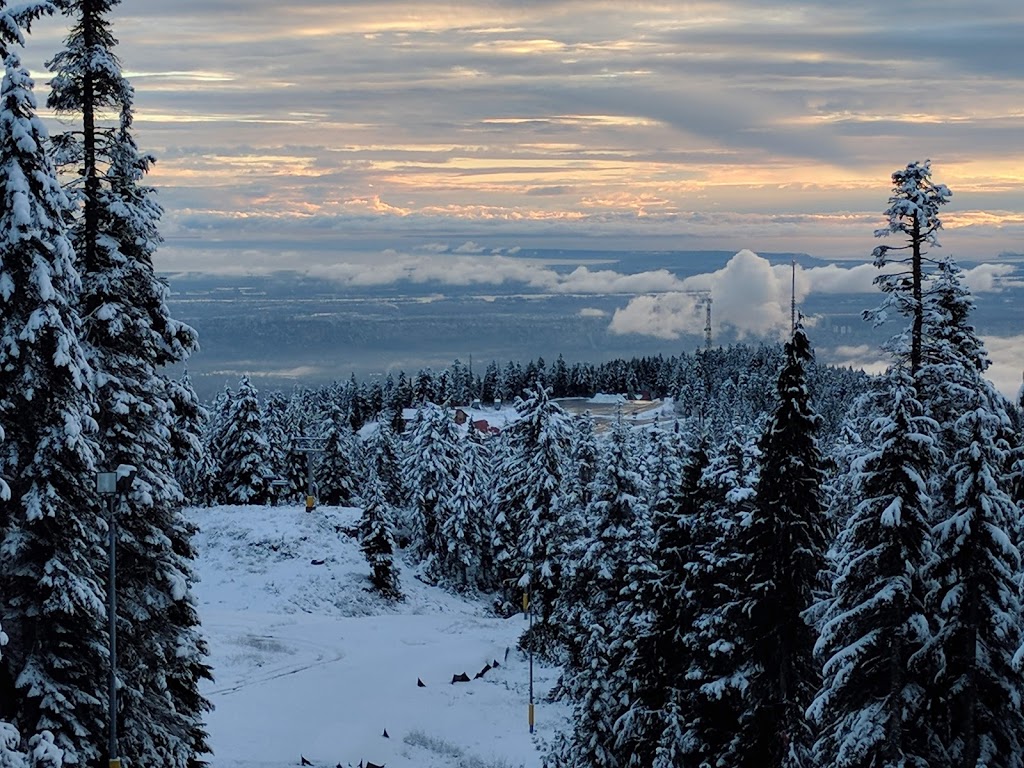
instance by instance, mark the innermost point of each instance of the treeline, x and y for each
(251, 439)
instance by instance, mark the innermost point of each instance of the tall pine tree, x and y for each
(785, 549)
(540, 442)
(377, 539)
(975, 575)
(335, 470)
(431, 466)
(52, 554)
(130, 338)
(244, 463)
(871, 709)
(607, 614)
(914, 213)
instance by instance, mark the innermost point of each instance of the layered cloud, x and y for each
(727, 123)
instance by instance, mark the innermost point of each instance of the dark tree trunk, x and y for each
(918, 329)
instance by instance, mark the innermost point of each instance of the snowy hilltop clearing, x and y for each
(309, 663)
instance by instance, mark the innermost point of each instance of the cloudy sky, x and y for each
(287, 130)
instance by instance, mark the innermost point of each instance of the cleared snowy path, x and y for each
(307, 662)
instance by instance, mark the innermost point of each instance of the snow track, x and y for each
(308, 662)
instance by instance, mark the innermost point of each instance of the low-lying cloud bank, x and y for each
(752, 297)
(746, 275)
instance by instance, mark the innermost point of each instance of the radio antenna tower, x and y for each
(792, 301)
(707, 322)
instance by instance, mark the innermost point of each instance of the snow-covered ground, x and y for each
(309, 663)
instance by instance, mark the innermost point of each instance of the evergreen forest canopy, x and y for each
(804, 567)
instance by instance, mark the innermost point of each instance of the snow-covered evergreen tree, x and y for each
(42, 751)
(975, 576)
(297, 423)
(784, 547)
(214, 441)
(52, 553)
(384, 454)
(244, 467)
(914, 213)
(130, 337)
(377, 539)
(652, 731)
(614, 567)
(276, 430)
(463, 529)
(539, 445)
(583, 459)
(193, 467)
(11, 753)
(503, 563)
(336, 473)
(871, 708)
(713, 641)
(430, 468)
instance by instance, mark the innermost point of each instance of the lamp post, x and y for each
(109, 484)
(528, 609)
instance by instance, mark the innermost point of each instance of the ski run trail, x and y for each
(308, 663)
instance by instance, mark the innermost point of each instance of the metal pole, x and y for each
(532, 641)
(114, 760)
(310, 496)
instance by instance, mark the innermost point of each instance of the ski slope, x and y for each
(309, 663)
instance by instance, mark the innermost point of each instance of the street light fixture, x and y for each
(110, 484)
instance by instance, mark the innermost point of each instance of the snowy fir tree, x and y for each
(574, 498)
(503, 563)
(712, 643)
(244, 466)
(52, 554)
(539, 444)
(784, 547)
(336, 473)
(583, 459)
(651, 732)
(377, 539)
(130, 337)
(384, 455)
(872, 704)
(193, 466)
(615, 565)
(462, 529)
(214, 443)
(975, 575)
(913, 212)
(276, 430)
(42, 751)
(297, 423)
(431, 466)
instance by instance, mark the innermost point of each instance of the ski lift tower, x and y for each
(311, 446)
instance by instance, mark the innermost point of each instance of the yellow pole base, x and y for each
(114, 762)
(531, 718)
(310, 503)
